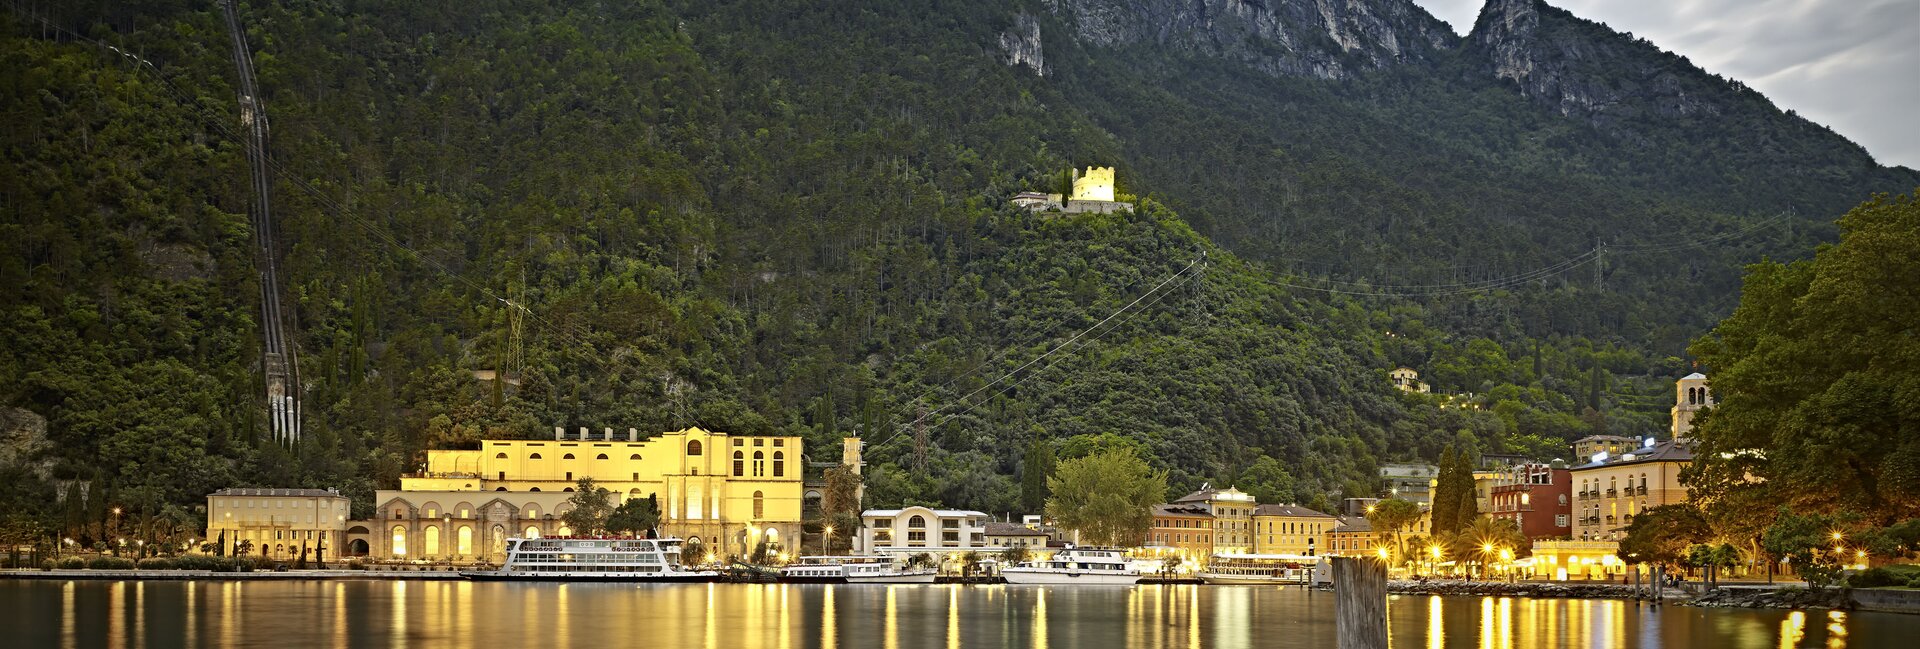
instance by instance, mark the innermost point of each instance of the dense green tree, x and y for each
(1035, 467)
(1267, 481)
(589, 507)
(635, 516)
(1394, 516)
(1661, 535)
(1813, 381)
(1107, 497)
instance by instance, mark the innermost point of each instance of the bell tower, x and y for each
(1691, 395)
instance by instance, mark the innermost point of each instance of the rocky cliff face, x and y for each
(1583, 69)
(1021, 44)
(1327, 39)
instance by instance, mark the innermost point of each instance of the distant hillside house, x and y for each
(1407, 379)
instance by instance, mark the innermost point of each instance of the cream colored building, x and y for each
(1586, 447)
(1408, 380)
(1609, 492)
(913, 530)
(1232, 511)
(730, 492)
(279, 522)
(1290, 529)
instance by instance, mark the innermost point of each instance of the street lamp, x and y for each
(1434, 566)
(827, 541)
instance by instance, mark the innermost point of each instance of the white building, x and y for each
(278, 523)
(913, 530)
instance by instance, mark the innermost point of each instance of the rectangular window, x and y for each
(1560, 520)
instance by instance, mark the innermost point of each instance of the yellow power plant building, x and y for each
(730, 492)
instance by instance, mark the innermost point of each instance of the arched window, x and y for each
(779, 464)
(464, 541)
(534, 489)
(535, 456)
(399, 541)
(500, 456)
(568, 456)
(916, 522)
(602, 456)
(532, 533)
(568, 489)
(739, 464)
(693, 447)
(759, 505)
(635, 456)
(564, 531)
(759, 464)
(499, 488)
(433, 540)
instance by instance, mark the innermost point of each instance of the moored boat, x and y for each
(854, 570)
(593, 559)
(1268, 569)
(1075, 566)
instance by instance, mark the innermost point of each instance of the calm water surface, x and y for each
(596, 616)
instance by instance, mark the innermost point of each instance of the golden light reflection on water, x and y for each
(1436, 623)
(1793, 629)
(827, 630)
(762, 616)
(1040, 619)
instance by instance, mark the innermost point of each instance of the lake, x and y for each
(370, 613)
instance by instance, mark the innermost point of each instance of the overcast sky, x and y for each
(1853, 65)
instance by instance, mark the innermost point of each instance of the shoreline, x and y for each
(1731, 596)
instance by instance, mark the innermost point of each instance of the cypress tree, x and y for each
(1445, 505)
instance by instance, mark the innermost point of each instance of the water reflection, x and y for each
(399, 614)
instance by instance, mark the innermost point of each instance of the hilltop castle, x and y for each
(1092, 192)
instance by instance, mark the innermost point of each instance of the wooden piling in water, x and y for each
(1359, 603)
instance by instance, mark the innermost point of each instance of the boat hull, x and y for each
(924, 578)
(677, 578)
(1019, 576)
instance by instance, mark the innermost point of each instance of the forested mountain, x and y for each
(764, 216)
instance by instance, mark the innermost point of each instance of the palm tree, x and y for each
(969, 561)
(1486, 536)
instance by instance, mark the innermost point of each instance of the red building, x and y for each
(1537, 497)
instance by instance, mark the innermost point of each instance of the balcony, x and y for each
(1611, 493)
(1639, 491)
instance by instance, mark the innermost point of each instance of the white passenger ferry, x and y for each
(592, 559)
(1278, 569)
(1075, 566)
(854, 570)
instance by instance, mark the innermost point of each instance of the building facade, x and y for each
(1351, 537)
(913, 530)
(731, 493)
(1232, 511)
(278, 523)
(1610, 491)
(1408, 481)
(1536, 497)
(1290, 529)
(1014, 535)
(1586, 447)
(1186, 529)
(1407, 380)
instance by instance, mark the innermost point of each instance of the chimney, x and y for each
(608, 437)
(557, 432)
(633, 434)
(583, 432)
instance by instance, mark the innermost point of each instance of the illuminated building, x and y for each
(1232, 511)
(278, 523)
(732, 493)
(916, 529)
(1186, 529)
(1538, 498)
(1691, 396)
(1290, 529)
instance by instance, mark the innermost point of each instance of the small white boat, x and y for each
(1267, 569)
(592, 559)
(854, 570)
(1075, 566)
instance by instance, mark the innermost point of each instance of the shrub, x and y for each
(156, 563)
(49, 564)
(72, 563)
(110, 563)
(1874, 578)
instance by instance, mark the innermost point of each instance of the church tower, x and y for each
(1690, 396)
